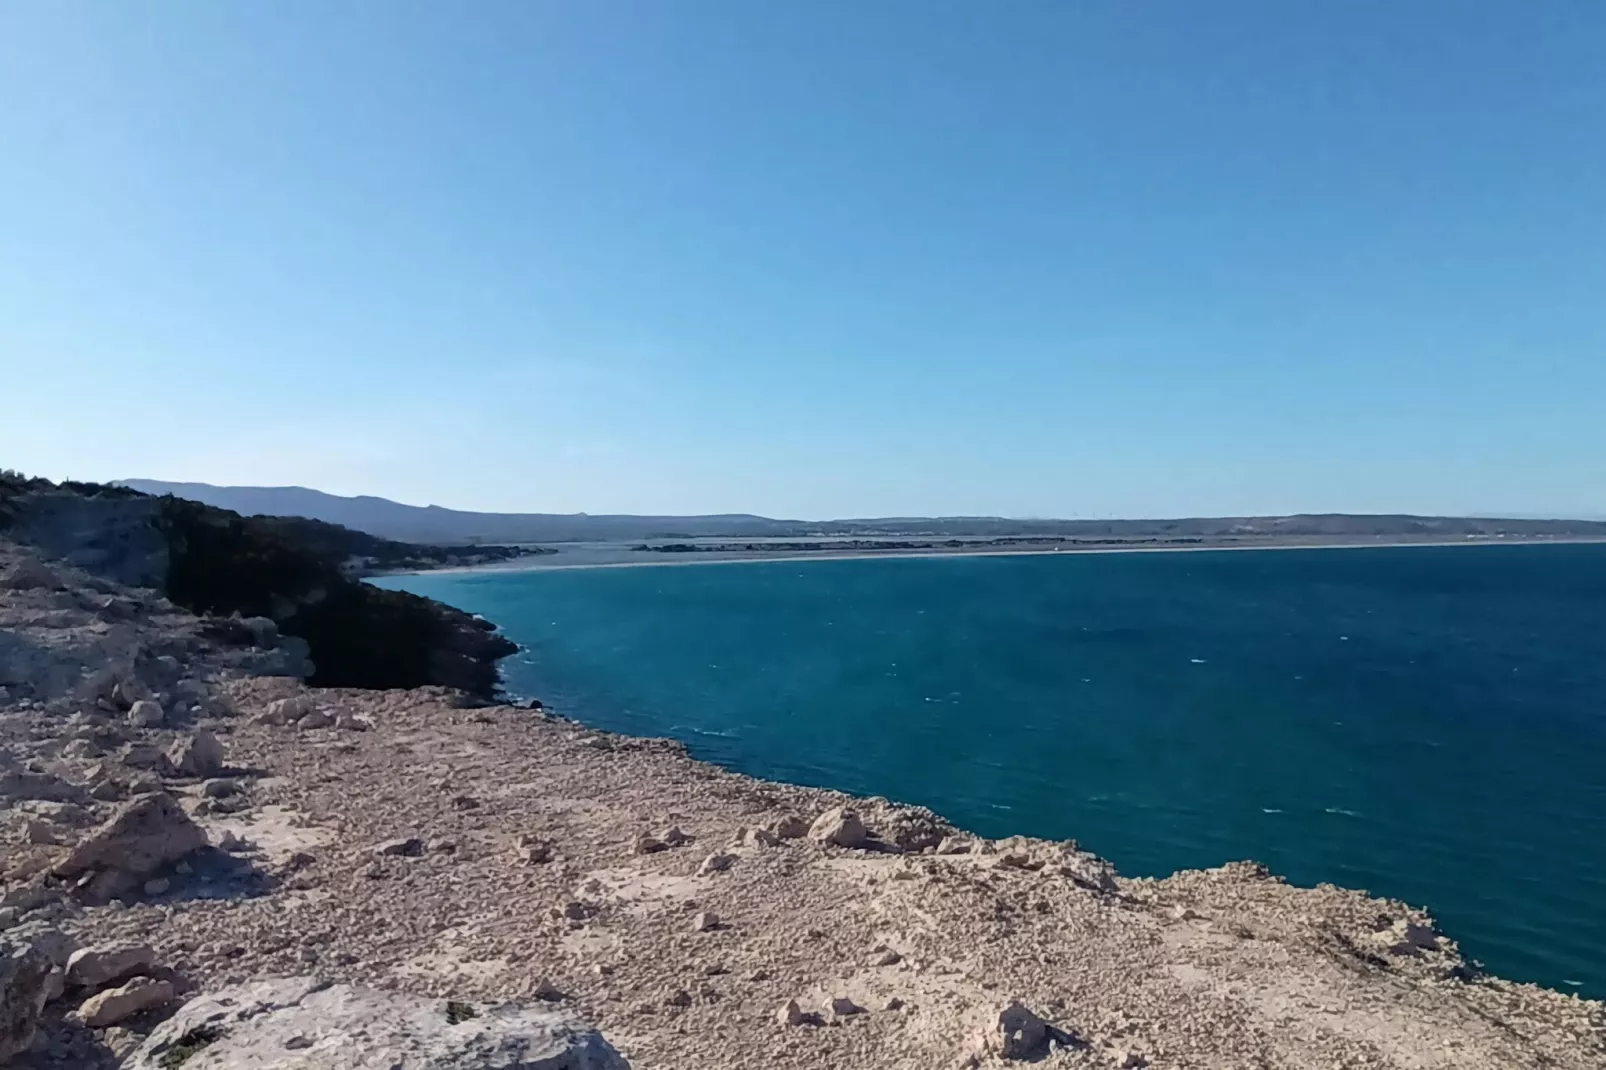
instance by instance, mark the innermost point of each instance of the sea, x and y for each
(1427, 723)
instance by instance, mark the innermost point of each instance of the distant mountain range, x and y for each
(433, 524)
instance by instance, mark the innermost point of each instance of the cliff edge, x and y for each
(304, 575)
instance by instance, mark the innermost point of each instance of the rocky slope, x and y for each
(184, 820)
(301, 574)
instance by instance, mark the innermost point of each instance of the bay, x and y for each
(1424, 722)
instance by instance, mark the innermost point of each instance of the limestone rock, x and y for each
(130, 691)
(840, 826)
(913, 829)
(1088, 870)
(315, 719)
(96, 967)
(44, 938)
(705, 921)
(790, 1013)
(352, 722)
(115, 1004)
(144, 756)
(1018, 1034)
(716, 863)
(789, 827)
(146, 713)
(24, 981)
(673, 837)
(760, 838)
(55, 984)
(286, 710)
(30, 574)
(299, 1023)
(145, 834)
(647, 845)
(198, 754)
(843, 1007)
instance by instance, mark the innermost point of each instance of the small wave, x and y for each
(1341, 811)
(1000, 806)
(1569, 981)
(1269, 810)
(704, 731)
(1197, 661)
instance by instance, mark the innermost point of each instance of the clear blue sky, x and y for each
(813, 258)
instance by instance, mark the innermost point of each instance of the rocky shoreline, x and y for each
(206, 863)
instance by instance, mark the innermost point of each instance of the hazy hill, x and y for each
(433, 524)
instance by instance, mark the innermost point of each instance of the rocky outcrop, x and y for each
(303, 1024)
(292, 572)
(24, 975)
(839, 826)
(198, 754)
(113, 1005)
(104, 530)
(95, 967)
(144, 835)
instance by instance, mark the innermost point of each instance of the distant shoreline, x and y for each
(549, 564)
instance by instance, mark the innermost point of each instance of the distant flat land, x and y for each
(708, 551)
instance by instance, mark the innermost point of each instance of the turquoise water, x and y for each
(1427, 723)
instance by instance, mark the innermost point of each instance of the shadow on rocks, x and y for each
(209, 874)
(62, 1044)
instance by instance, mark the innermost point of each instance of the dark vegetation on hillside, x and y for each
(295, 571)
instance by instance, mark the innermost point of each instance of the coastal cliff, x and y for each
(207, 864)
(304, 575)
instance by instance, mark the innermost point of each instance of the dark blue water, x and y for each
(1426, 723)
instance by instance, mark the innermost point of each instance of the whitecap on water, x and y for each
(1269, 810)
(1342, 811)
(1197, 661)
(703, 731)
